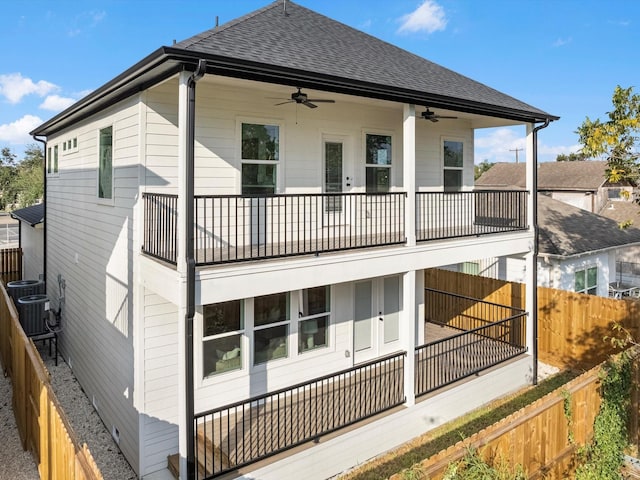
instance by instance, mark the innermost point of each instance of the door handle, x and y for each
(381, 318)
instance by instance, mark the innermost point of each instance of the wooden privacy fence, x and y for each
(43, 428)
(10, 264)
(571, 326)
(539, 437)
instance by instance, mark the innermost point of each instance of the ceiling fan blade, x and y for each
(309, 104)
(320, 100)
(284, 103)
(433, 119)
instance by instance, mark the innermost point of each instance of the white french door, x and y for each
(335, 180)
(376, 326)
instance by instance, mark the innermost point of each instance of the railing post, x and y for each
(410, 321)
(409, 171)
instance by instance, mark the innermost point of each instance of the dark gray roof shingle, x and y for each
(308, 41)
(587, 175)
(565, 230)
(32, 215)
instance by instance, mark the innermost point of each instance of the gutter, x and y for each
(44, 202)
(534, 307)
(167, 61)
(191, 263)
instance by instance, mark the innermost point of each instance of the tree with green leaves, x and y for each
(572, 157)
(21, 183)
(481, 168)
(616, 138)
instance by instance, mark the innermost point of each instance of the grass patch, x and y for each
(452, 432)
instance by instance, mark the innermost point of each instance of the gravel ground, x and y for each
(85, 422)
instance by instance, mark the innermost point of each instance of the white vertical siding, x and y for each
(32, 251)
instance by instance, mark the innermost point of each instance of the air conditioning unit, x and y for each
(33, 311)
(22, 288)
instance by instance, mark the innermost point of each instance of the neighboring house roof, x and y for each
(302, 48)
(622, 211)
(565, 230)
(32, 215)
(586, 175)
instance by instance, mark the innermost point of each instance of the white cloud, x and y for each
(18, 132)
(86, 20)
(56, 103)
(14, 87)
(500, 144)
(428, 17)
(560, 42)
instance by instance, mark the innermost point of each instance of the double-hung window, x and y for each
(260, 151)
(52, 160)
(453, 160)
(222, 330)
(271, 327)
(313, 318)
(105, 163)
(378, 158)
(586, 281)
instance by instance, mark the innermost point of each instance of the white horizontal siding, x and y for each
(92, 246)
(160, 424)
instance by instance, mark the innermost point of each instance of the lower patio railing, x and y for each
(478, 335)
(242, 433)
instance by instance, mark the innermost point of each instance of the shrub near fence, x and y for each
(543, 437)
(41, 423)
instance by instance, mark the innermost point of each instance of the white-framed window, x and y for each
(378, 161)
(271, 327)
(260, 155)
(453, 164)
(105, 163)
(586, 281)
(222, 333)
(70, 146)
(313, 318)
(52, 160)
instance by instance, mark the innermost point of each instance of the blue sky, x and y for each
(563, 56)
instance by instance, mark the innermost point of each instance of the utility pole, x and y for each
(516, 150)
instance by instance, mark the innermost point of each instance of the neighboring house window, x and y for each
(586, 281)
(222, 330)
(472, 268)
(105, 166)
(49, 160)
(271, 327)
(313, 321)
(260, 155)
(55, 159)
(452, 154)
(378, 163)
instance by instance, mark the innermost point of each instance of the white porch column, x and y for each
(408, 333)
(182, 269)
(409, 171)
(531, 267)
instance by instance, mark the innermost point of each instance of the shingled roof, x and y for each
(302, 48)
(579, 176)
(566, 231)
(32, 215)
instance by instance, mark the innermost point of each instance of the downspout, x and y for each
(534, 215)
(44, 203)
(191, 263)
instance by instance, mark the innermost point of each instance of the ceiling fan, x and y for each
(302, 98)
(432, 116)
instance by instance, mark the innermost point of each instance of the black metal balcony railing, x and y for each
(441, 215)
(490, 334)
(161, 226)
(235, 228)
(242, 433)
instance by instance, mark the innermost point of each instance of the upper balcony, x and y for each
(241, 228)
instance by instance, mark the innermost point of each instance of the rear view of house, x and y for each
(244, 220)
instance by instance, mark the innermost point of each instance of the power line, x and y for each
(516, 150)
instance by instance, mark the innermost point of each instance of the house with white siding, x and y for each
(243, 221)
